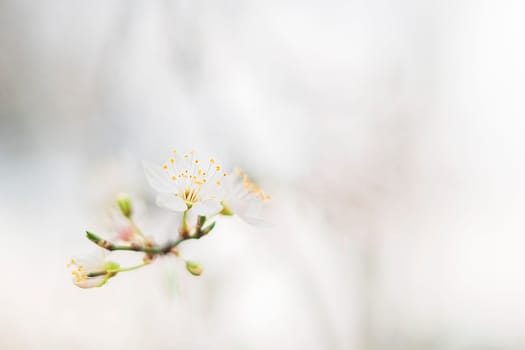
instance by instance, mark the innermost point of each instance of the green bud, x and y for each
(98, 241)
(124, 203)
(93, 237)
(194, 268)
(201, 220)
(226, 210)
(207, 229)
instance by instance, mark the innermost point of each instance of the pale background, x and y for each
(389, 134)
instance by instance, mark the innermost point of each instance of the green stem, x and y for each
(106, 278)
(136, 229)
(184, 229)
(115, 271)
(131, 268)
(149, 250)
(96, 274)
(153, 250)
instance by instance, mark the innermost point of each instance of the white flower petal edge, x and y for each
(256, 221)
(208, 207)
(250, 211)
(91, 282)
(171, 201)
(157, 178)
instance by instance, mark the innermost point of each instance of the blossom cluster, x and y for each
(197, 190)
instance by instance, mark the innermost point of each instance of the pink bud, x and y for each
(125, 233)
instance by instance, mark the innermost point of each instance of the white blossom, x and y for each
(187, 183)
(244, 198)
(88, 271)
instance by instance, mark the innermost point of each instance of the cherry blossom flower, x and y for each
(244, 198)
(187, 183)
(91, 270)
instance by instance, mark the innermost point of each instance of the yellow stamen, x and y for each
(250, 187)
(78, 273)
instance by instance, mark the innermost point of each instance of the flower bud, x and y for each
(93, 237)
(226, 211)
(126, 233)
(98, 241)
(194, 268)
(200, 221)
(207, 229)
(124, 203)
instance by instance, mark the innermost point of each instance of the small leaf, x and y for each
(93, 237)
(207, 229)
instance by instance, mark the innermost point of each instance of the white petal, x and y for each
(171, 201)
(256, 221)
(91, 282)
(191, 217)
(93, 261)
(157, 178)
(250, 211)
(207, 208)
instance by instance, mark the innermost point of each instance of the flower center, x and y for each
(190, 195)
(192, 177)
(77, 270)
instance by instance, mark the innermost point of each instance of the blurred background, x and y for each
(388, 133)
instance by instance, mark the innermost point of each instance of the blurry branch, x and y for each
(148, 247)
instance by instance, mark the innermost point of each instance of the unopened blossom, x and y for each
(125, 233)
(185, 182)
(123, 219)
(244, 198)
(90, 271)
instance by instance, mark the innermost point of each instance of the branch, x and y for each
(152, 249)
